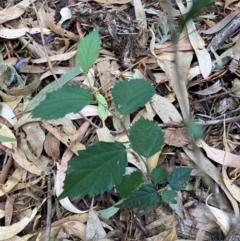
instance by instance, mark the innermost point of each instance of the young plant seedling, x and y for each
(101, 166)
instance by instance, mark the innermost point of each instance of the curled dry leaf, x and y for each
(60, 175)
(219, 156)
(222, 219)
(233, 188)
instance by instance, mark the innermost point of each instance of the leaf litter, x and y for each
(137, 37)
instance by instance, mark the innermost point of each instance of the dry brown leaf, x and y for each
(165, 109)
(219, 156)
(105, 69)
(5, 97)
(52, 146)
(26, 149)
(60, 175)
(14, 229)
(206, 166)
(35, 137)
(57, 226)
(202, 230)
(15, 238)
(14, 103)
(20, 186)
(22, 161)
(172, 236)
(222, 219)
(56, 28)
(17, 33)
(58, 57)
(9, 210)
(15, 11)
(211, 89)
(177, 82)
(69, 141)
(28, 89)
(11, 183)
(177, 137)
(75, 228)
(153, 161)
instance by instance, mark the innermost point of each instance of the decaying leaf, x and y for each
(177, 137)
(94, 229)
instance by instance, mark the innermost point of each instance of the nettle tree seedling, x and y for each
(102, 165)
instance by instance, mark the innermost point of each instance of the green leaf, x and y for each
(168, 196)
(102, 106)
(146, 137)
(129, 96)
(109, 212)
(95, 170)
(129, 183)
(6, 139)
(159, 175)
(53, 86)
(70, 98)
(143, 198)
(195, 130)
(178, 179)
(88, 50)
